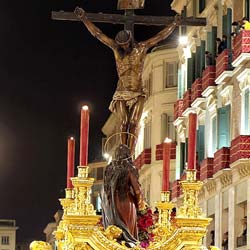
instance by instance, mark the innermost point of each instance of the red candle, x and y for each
(192, 140)
(166, 164)
(70, 161)
(84, 137)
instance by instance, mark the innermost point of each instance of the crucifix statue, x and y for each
(129, 97)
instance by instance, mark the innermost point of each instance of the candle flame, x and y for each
(167, 140)
(85, 107)
(71, 138)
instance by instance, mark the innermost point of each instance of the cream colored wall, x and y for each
(11, 232)
(161, 101)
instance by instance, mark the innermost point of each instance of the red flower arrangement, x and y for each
(145, 223)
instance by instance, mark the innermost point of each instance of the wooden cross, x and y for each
(129, 19)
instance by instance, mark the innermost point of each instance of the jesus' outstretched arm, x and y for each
(163, 34)
(95, 31)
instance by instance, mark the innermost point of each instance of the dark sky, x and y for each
(48, 69)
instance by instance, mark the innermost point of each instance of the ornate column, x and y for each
(231, 218)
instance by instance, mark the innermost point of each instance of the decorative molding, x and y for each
(202, 194)
(242, 166)
(244, 79)
(226, 95)
(212, 102)
(210, 185)
(225, 177)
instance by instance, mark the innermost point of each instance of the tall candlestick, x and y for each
(192, 140)
(84, 137)
(166, 164)
(70, 161)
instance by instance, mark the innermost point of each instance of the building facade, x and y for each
(51, 228)
(160, 77)
(96, 171)
(8, 234)
(217, 90)
(201, 76)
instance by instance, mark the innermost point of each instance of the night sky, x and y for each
(48, 70)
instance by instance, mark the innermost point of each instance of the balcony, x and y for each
(159, 151)
(241, 241)
(240, 148)
(196, 89)
(222, 65)
(208, 77)
(206, 169)
(221, 159)
(146, 156)
(143, 158)
(241, 46)
(187, 99)
(178, 109)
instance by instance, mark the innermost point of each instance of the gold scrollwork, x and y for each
(112, 232)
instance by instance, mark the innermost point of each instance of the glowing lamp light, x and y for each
(85, 107)
(183, 40)
(71, 138)
(167, 140)
(106, 156)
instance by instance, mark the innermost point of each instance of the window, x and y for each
(5, 240)
(202, 5)
(182, 157)
(147, 135)
(214, 134)
(247, 9)
(201, 142)
(171, 75)
(224, 126)
(148, 84)
(99, 175)
(167, 127)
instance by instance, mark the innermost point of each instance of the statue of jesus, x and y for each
(129, 97)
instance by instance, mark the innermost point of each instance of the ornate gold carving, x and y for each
(79, 229)
(112, 232)
(165, 207)
(40, 245)
(191, 188)
(82, 246)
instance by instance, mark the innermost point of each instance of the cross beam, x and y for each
(129, 17)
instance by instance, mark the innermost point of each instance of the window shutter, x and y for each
(197, 62)
(190, 73)
(186, 150)
(182, 157)
(214, 134)
(202, 57)
(211, 42)
(247, 9)
(202, 5)
(164, 126)
(201, 142)
(170, 127)
(224, 126)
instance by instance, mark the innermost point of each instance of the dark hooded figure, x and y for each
(122, 195)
